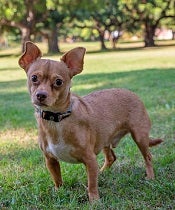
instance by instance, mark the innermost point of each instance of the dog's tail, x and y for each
(154, 142)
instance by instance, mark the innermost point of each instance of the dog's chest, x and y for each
(60, 150)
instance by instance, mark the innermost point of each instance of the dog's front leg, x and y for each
(55, 171)
(92, 173)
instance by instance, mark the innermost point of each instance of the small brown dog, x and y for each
(75, 129)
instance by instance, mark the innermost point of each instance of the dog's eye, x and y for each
(58, 82)
(34, 78)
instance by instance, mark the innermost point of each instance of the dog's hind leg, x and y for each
(109, 158)
(142, 142)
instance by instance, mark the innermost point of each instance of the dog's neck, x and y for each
(54, 116)
(61, 110)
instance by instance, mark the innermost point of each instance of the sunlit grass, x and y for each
(24, 180)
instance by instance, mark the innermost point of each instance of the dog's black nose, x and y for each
(41, 95)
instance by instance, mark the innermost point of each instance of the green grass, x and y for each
(24, 180)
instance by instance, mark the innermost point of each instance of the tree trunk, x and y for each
(102, 41)
(149, 35)
(53, 41)
(173, 35)
(25, 36)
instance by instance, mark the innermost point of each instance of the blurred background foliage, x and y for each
(54, 21)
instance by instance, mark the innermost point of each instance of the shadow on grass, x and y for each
(9, 55)
(138, 81)
(11, 85)
(16, 110)
(158, 44)
(118, 49)
(7, 69)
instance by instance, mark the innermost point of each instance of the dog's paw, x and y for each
(58, 185)
(93, 197)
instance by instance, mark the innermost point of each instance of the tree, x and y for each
(110, 17)
(105, 15)
(56, 13)
(23, 15)
(150, 13)
(49, 29)
(32, 17)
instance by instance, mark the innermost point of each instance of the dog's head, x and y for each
(48, 80)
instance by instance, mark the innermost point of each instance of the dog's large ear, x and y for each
(74, 59)
(31, 53)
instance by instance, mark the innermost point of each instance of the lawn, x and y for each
(24, 180)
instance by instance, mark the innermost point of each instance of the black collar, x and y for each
(54, 116)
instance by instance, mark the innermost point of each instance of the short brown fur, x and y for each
(98, 121)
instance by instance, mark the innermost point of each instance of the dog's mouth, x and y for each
(41, 104)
